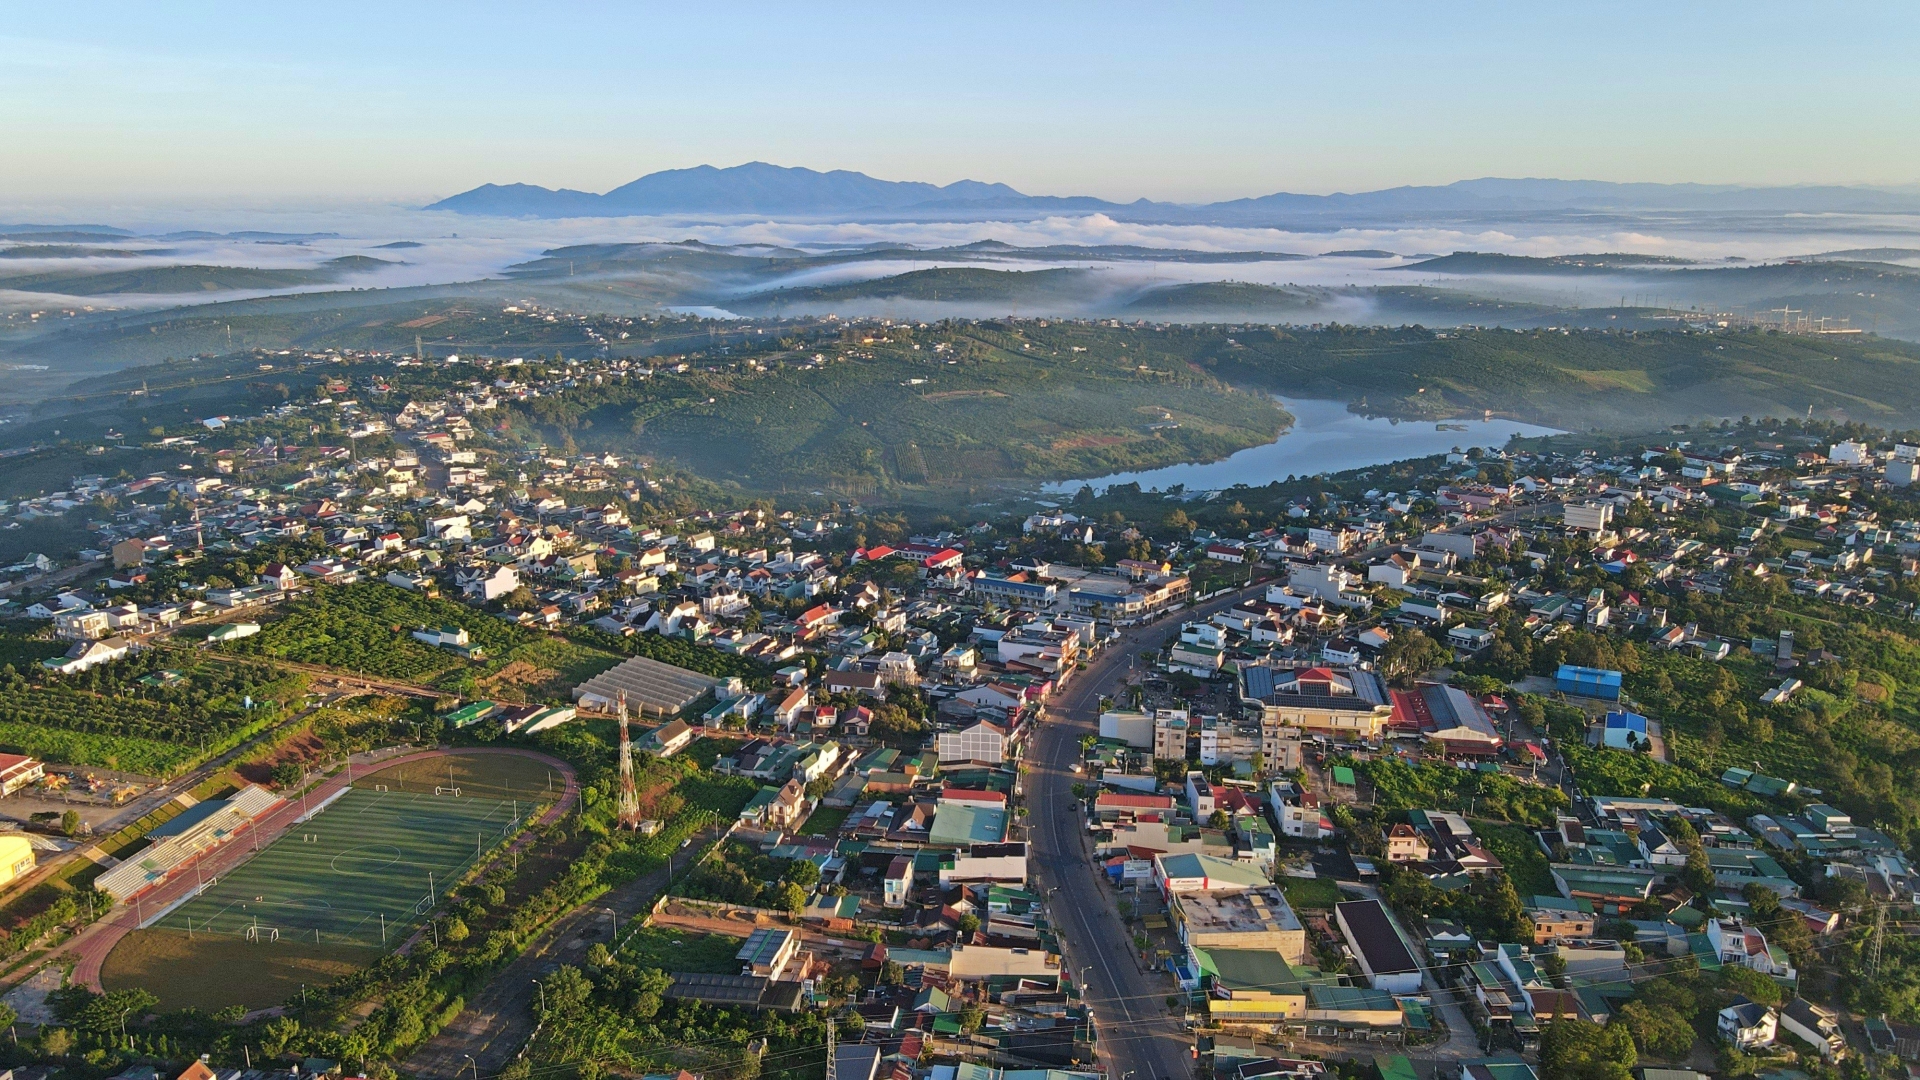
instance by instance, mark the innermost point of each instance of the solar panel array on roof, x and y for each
(650, 686)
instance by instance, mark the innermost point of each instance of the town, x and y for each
(1583, 754)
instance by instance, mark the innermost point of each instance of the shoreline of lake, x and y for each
(1324, 438)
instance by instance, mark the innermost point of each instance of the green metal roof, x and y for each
(1394, 1067)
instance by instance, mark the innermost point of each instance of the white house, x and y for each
(1819, 1027)
(490, 586)
(1737, 943)
(87, 654)
(1849, 453)
(1749, 1025)
(451, 527)
(450, 636)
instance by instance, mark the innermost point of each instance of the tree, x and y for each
(790, 898)
(1218, 820)
(803, 873)
(971, 1017)
(567, 990)
(650, 989)
(893, 726)
(456, 929)
(1580, 1050)
(101, 1015)
(967, 923)
(1660, 1032)
(56, 1042)
(1411, 652)
(70, 823)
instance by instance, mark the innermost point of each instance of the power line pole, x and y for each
(1879, 932)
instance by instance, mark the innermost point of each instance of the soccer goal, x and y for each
(450, 791)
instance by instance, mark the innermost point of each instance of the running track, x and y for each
(89, 950)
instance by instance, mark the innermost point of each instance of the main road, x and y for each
(1137, 1036)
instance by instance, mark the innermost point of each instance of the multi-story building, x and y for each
(1170, 730)
(1339, 703)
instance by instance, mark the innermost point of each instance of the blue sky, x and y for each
(200, 104)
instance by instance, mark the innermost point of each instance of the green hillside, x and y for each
(1005, 289)
(969, 405)
(1483, 262)
(1581, 380)
(187, 279)
(76, 251)
(1230, 300)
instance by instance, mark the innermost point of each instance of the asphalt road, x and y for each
(1138, 1036)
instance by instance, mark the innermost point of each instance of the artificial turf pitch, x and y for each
(356, 874)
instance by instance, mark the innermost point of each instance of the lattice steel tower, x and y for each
(629, 799)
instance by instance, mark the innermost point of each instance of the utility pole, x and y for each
(1879, 932)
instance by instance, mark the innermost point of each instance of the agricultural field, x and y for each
(544, 669)
(679, 652)
(674, 950)
(141, 715)
(366, 628)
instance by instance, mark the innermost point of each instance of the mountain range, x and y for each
(760, 188)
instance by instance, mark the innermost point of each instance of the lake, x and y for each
(1324, 438)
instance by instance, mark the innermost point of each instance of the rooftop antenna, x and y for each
(629, 799)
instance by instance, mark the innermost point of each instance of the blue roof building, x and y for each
(1587, 682)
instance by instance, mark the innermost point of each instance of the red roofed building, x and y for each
(968, 795)
(1110, 805)
(17, 771)
(817, 618)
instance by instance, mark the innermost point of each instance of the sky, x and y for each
(106, 106)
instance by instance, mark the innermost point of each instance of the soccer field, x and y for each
(360, 873)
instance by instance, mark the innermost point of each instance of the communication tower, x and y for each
(629, 799)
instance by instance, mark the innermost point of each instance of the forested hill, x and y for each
(1578, 380)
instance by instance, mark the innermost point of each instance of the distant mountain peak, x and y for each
(758, 187)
